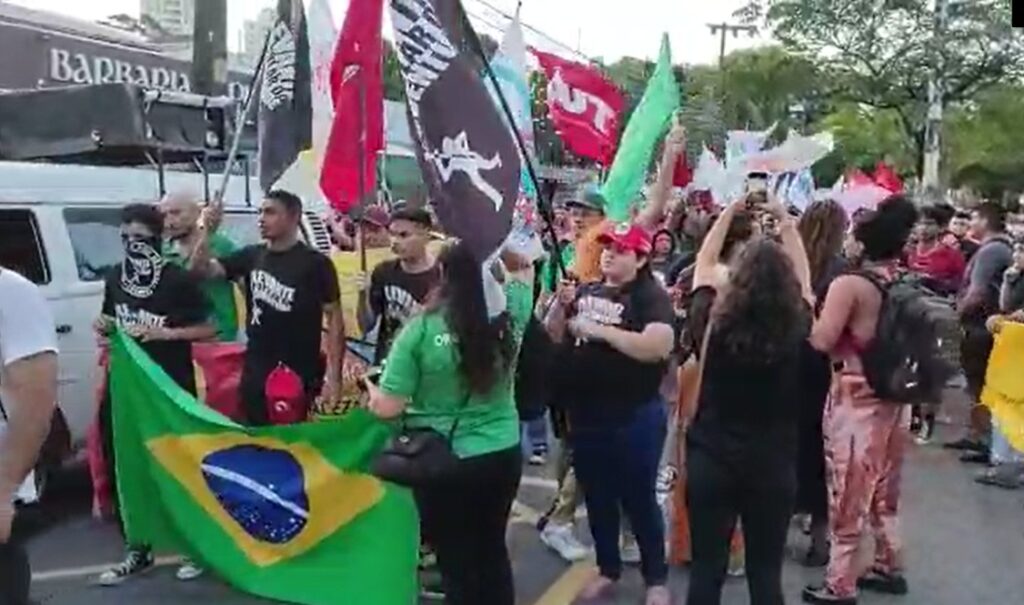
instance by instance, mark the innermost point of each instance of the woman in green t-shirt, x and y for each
(455, 362)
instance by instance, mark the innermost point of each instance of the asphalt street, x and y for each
(964, 545)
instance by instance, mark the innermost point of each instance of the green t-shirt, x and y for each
(423, 367)
(549, 272)
(219, 292)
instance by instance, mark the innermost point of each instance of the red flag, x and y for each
(857, 178)
(885, 177)
(584, 106)
(682, 175)
(357, 133)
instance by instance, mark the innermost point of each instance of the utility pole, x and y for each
(930, 176)
(210, 48)
(724, 28)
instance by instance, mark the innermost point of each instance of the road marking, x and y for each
(93, 570)
(567, 587)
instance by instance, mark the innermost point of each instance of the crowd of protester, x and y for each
(701, 369)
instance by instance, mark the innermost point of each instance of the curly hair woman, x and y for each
(822, 228)
(750, 328)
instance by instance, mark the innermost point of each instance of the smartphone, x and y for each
(757, 182)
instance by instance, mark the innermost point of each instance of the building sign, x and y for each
(31, 58)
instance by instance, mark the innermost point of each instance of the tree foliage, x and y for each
(883, 53)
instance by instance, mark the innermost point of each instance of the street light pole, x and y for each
(724, 28)
(930, 175)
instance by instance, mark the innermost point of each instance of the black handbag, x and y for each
(417, 457)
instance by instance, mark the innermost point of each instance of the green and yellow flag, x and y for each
(646, 126)
(288, 512)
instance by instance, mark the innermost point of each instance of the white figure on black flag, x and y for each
(467, 155)
(279, 72)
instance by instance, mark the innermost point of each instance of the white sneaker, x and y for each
(189, 571)
(562, 540)
(629, 550)
(136, 562)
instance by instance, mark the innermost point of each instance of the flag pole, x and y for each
(362, 171)
(544, 205)
(250, 99)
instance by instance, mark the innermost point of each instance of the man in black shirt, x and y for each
(291, 292)
(398, 288)
(163, 307)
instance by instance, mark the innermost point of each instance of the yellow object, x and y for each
(1004, 383)
(334, 497)
(347, 264)
(587, 266)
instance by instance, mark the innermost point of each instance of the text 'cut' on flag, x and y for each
(468, 157)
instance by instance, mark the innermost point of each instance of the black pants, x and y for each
(761, 494)
(15, 574)
(466, 518)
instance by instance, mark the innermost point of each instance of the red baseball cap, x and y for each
(627, 237)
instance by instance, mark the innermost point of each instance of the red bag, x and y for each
(285, 396)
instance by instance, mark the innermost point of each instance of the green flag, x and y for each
(284, 512)
(647, 125)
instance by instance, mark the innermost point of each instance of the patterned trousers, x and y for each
(865, 442)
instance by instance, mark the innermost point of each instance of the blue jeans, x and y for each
(535, 436)
(617, 467)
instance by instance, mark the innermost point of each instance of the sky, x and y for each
(600, 28)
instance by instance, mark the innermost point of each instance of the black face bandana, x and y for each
(142, 266)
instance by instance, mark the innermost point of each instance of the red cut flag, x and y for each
(886, 178)
(357, 133)
(584, 106)
(682, 174)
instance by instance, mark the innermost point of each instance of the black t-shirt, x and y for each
(746, 413)
(176, 301)
(395, 296)
(599, 384)
(285, 294)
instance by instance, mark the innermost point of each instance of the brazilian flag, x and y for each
(288, 513)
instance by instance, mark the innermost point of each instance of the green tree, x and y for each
(983, 142)
(883, 53)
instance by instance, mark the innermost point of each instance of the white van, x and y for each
(59, 227)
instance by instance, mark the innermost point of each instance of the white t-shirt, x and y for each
(26, 327)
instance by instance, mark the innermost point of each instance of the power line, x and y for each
(549, 38)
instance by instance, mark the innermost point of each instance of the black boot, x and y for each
(885, 583)
(821, 595)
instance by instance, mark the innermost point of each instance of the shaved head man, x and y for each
(184, 217)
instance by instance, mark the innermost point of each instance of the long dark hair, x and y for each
(822, 228)
(484, 345)
(884, 232)
(763, 315)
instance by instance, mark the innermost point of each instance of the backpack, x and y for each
(533, 368)
(916, 348)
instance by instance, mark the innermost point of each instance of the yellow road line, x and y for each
(567, 587)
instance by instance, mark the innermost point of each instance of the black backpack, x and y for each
(533, 371)
(916, 348)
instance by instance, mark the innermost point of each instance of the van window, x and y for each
(96, 239)
(21, 247)
(242, 228)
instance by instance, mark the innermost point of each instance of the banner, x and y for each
(509, 68)
(357, 134)
(468, 158)
(584, 107)
(1004, 383)
(287, 513)
(303, 176)
(643, 133)
(285, 95)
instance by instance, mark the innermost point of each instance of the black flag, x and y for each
(286, 106)
(469, 160)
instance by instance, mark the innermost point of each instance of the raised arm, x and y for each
(711, 249)
(793, 245)
(675, 145)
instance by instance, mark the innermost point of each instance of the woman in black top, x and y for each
(822, 228)
(617, 337)
(741, 447)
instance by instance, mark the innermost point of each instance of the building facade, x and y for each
(176, 17)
